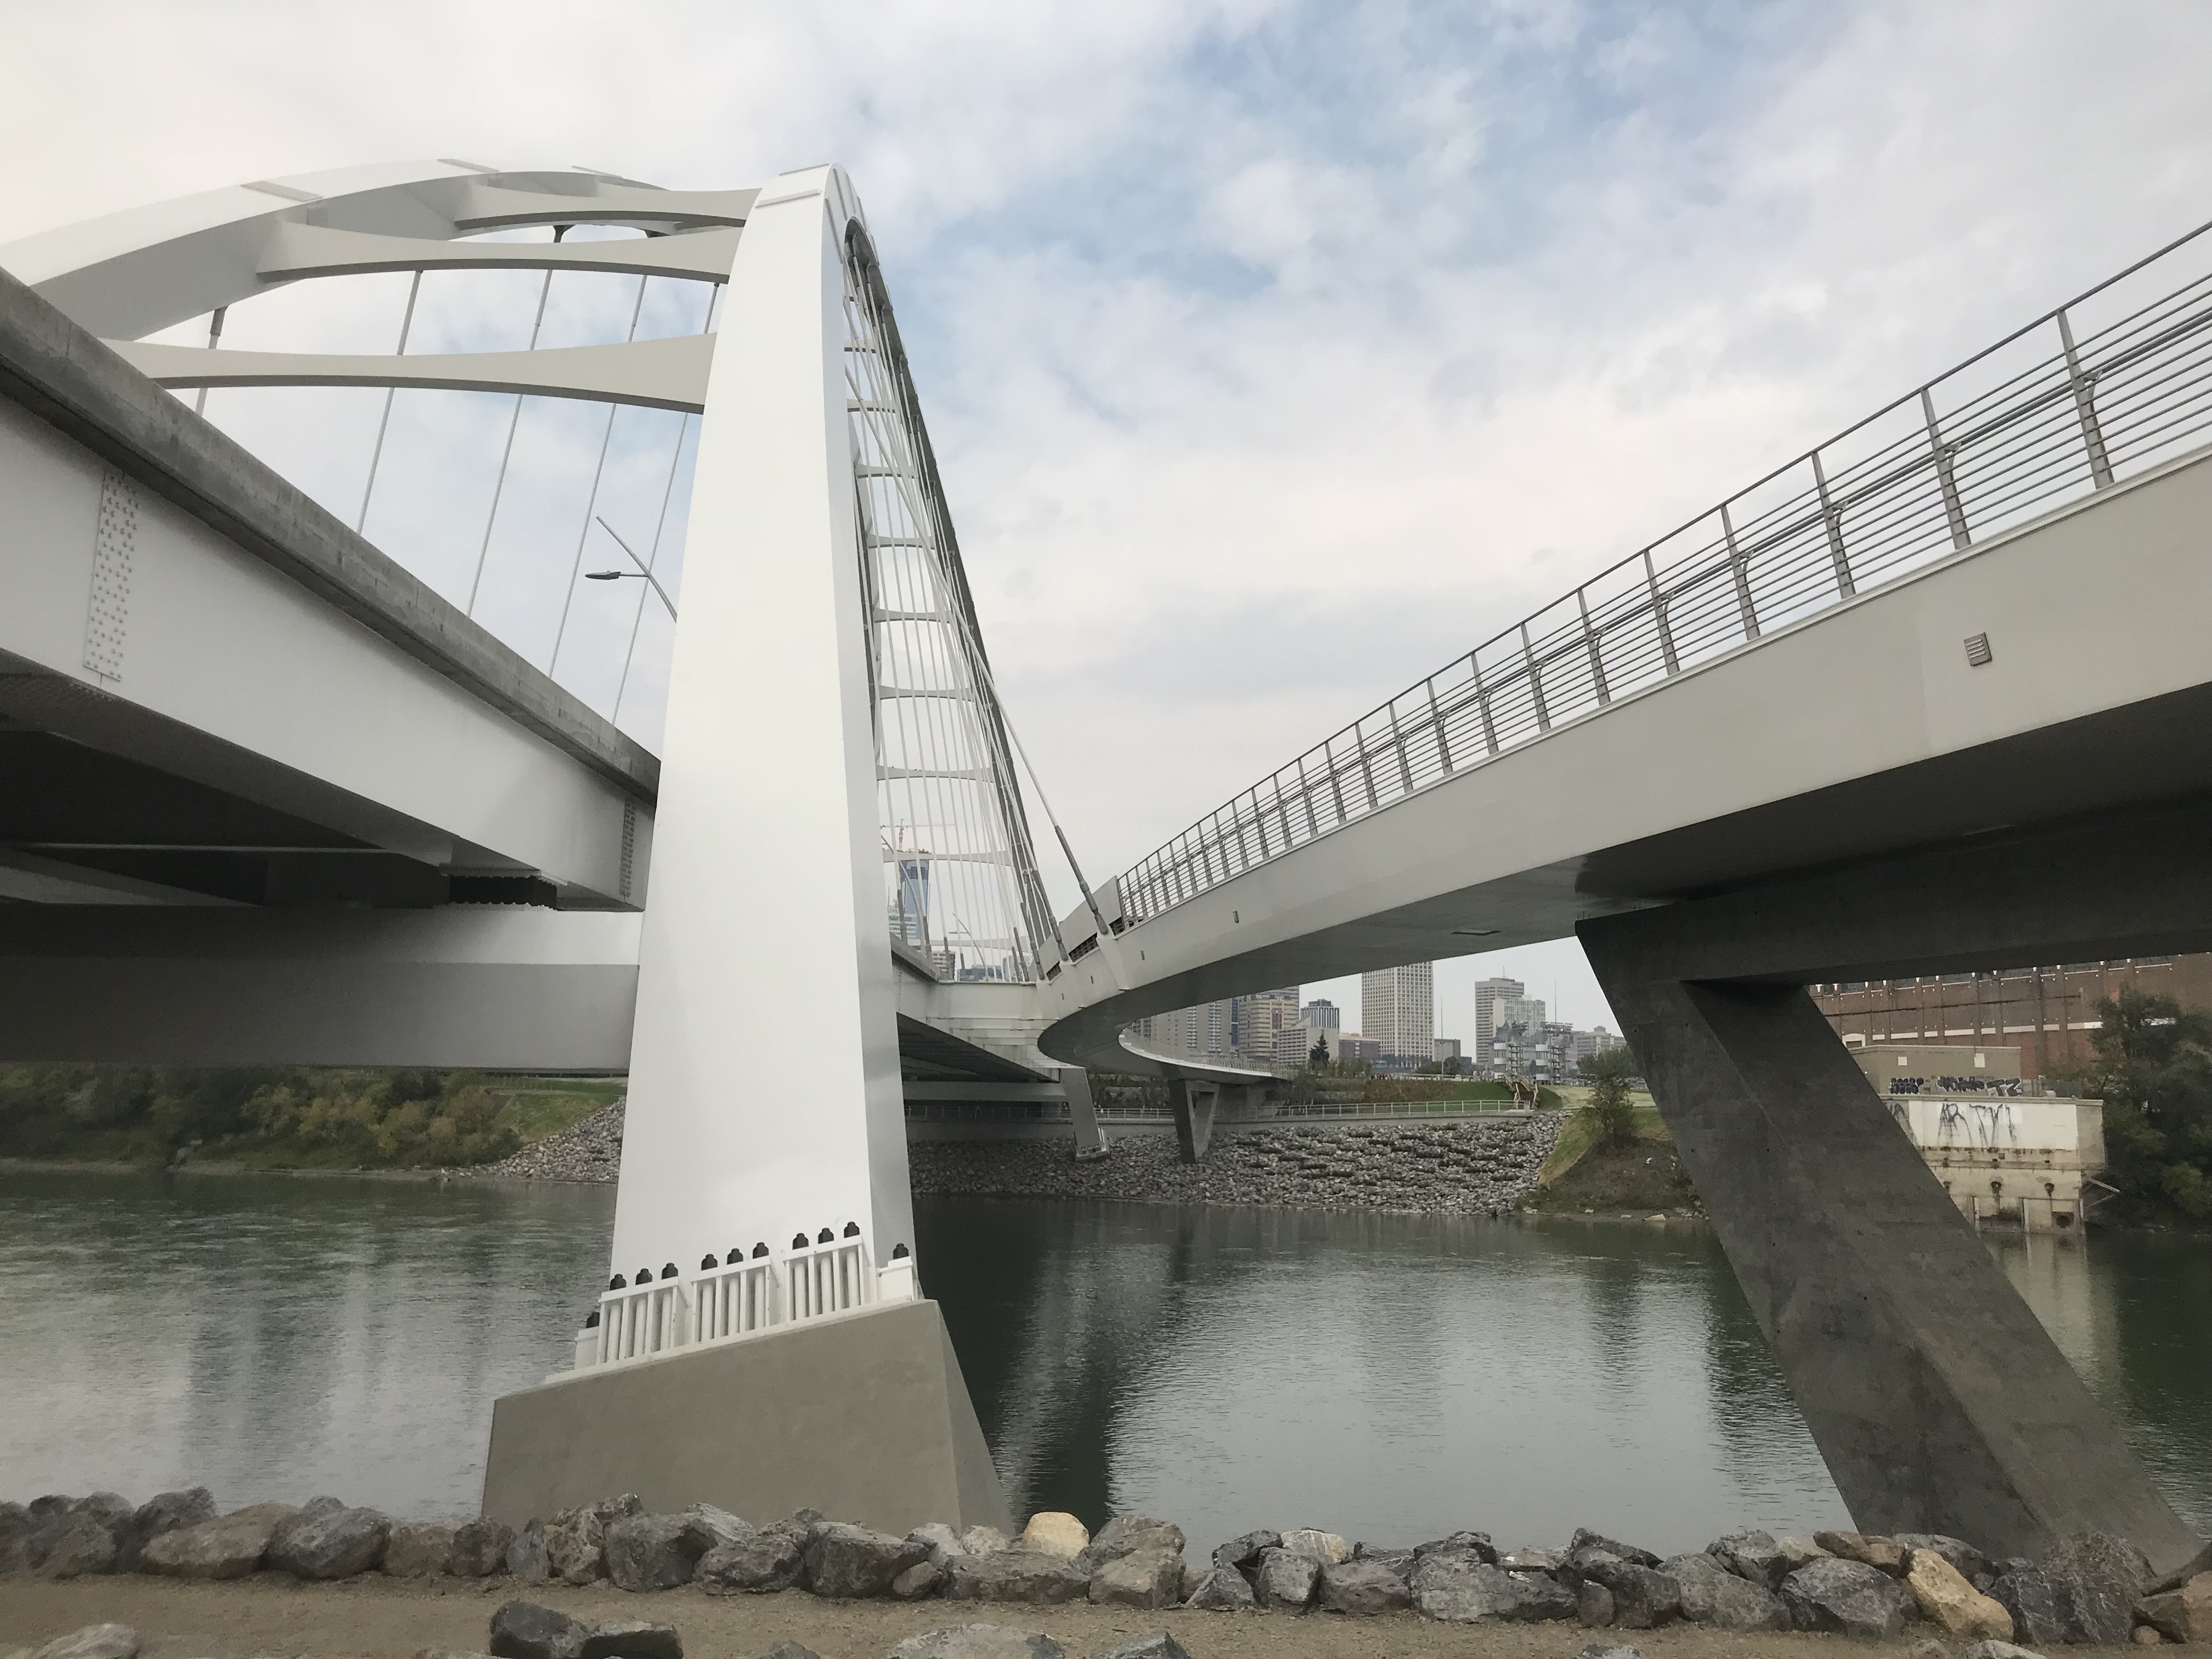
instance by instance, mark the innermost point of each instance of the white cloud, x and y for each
(1274, 353)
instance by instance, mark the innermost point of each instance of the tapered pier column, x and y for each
(1939, 1402)
(1193, 1105)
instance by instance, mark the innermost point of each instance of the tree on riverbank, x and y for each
(1609, 1112)
(280, 1117)
(2153, 1070)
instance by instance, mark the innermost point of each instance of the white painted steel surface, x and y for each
(768, 909)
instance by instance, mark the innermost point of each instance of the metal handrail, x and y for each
(1966, 463)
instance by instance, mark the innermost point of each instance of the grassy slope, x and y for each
(1638, 1179)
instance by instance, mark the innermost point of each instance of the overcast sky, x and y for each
(1274, 354)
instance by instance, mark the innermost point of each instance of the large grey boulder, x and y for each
(940, 1540)
(1476, 1543)
(1158, 1645)
(92, 1641)
(163, 1512)
(710, 1525)
(1594, 1604)
(855, 1563)
(2037, 1603)
(1459, 1586)
(1243, 1554)
(229, 1547)
(1976, 1568)
(78, 1544)
(985, 1541)
(1224, 1589)
(922, 1580)
(17, 1531)
(1585, 1539)
(632, 1638)
(1850, 1596)
(1015, 1576)
(759, 1564)
(480, 1548)
(1531, 1559)
(1125, 1535)
(336, 1544)
(1753, 1556)
(979, 1642)
(1285, 1578)
(420, 1549)
(2102, 1578)
(1149, 1578)
(526, 1559)
(523, 1629)
(1643, 1598)
(111, 1510)
(1321, 1547)
(653, 1552)
(1711, 1595)
(576, 1540)
(1366, 1586)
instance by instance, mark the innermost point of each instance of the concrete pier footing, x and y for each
(1194, 1105)
(863, 1416)
(1939, 1402)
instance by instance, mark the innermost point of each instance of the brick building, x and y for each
(2049, 1013)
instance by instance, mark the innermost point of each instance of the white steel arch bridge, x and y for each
(293, 798)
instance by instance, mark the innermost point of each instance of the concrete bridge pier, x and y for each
(1082, 1111)
(1193, 1104)
(1938, 1401)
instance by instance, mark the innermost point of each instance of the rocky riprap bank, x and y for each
(590, 1149)
(2090, 1589)
(1461, 1169)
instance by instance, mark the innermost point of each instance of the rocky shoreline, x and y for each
(1455, 1169)
(1465, 1168)
(2087, 1589)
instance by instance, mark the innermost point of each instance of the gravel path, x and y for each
(389, 1619)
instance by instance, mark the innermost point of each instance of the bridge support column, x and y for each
(1939, 1402)
(1194, 1106)
(1082, 1111)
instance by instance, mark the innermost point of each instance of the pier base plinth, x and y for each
(863, 1416)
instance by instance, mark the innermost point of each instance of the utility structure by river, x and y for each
(433, 853)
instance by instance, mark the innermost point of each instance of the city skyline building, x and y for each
(1397, 1010)
(1488, 994)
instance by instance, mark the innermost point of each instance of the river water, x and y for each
(1388, 1377)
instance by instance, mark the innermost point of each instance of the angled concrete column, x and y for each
(1939, 1402)
(1194, 1104)
(1082, 1111)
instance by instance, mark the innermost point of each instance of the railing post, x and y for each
(1437, 721)
(1535, 681)
(1953, 509)
(1597, 658)
(1305, 794)
(1335, 784)
(1366, 771)
(1659, 614)
(1482, 704)
(1741, 568)
(1398, 742)
(2084, 405)
(1834, 522)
